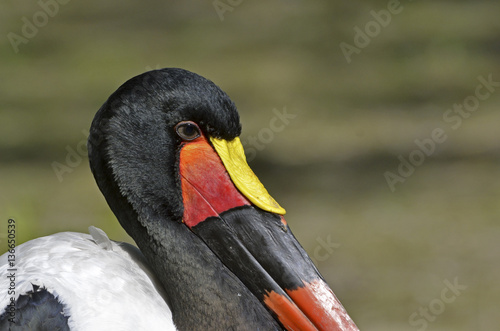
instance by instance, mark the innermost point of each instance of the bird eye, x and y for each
(188, 130)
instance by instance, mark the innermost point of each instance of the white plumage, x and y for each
(103, 284)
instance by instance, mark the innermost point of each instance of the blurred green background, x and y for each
(387, 255)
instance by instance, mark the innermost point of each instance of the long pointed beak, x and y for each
(230, 210)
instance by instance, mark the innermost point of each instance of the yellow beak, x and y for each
(235, 162)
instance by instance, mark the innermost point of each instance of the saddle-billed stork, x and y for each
(215, 250)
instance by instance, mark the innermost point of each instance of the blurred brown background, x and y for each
(363, 84)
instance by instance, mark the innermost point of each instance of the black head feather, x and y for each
(133, 146)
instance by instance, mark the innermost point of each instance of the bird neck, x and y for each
(202, 293)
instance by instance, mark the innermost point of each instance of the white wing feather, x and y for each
(103, 284)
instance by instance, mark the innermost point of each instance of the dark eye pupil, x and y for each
(189, 130)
